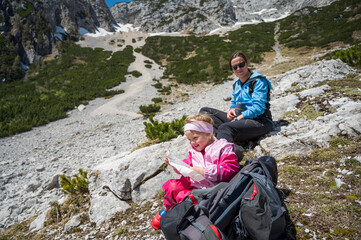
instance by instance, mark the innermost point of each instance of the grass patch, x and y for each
(348, 87)
(307, 111)
(316, 205)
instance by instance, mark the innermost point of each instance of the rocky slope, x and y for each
(199, 16)
(102, 144)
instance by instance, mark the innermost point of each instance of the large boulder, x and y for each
(135, 174)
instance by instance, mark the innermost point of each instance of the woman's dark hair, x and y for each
(236, 55)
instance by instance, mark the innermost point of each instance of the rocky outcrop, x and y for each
(34, 26)
(340, 117)
(199, 16)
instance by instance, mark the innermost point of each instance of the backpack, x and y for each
(248, 206)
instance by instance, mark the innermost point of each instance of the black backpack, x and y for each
(247, 207)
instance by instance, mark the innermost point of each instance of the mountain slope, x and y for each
(199, 16)
(31, 28)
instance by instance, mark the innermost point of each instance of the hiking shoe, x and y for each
(156, 220)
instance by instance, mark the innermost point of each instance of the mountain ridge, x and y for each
(201, 16)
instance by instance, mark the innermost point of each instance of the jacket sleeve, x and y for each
(225, 169)
(258, 100)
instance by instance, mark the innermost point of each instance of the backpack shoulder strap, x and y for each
(252, 83)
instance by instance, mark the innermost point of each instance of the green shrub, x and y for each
(166, 90)
(136, 74)
(164, 131)
(148, 66)
(157, 100)
(351, 56)
(158, 85)
(151, 108)
(77, 184)
(25, 12)
(10, 68)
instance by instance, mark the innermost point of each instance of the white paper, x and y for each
(184, 169)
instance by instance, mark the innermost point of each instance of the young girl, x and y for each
(214, 159)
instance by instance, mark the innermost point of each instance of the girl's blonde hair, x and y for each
(199, 117)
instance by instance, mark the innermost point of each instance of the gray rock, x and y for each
(40, 168)
(32, 186)
(134, 167)
(54, 183)
(38, 223)
(74, 222)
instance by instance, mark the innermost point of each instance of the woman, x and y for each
(252, 90)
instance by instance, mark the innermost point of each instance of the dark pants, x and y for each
(236, 131)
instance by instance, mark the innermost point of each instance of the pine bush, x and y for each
(351, 56)
(76, 185)
(164, 131)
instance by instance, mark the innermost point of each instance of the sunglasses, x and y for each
(240, 65)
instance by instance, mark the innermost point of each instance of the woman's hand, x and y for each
(231, 114)
(240, 117)
(200, 170)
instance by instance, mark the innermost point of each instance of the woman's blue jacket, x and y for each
(255, 93)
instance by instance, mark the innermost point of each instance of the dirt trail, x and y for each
(119, 103)
(278, 58)
(137, 90)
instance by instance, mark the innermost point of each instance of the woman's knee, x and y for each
(205, 110)
(225, 131)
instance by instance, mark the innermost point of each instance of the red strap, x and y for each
(193, 198)
(215, 231)
(254, 192)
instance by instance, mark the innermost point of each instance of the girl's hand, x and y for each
(200, 170)
(231, 114)
(166, 161)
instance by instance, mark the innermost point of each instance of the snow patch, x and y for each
(125, 28)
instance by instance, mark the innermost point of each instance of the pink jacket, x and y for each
(218, 160)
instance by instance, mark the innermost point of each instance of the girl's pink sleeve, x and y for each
(226, 169)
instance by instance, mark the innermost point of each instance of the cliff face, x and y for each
(199, 16)
(33, 26)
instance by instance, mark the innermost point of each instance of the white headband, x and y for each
(199, 126)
